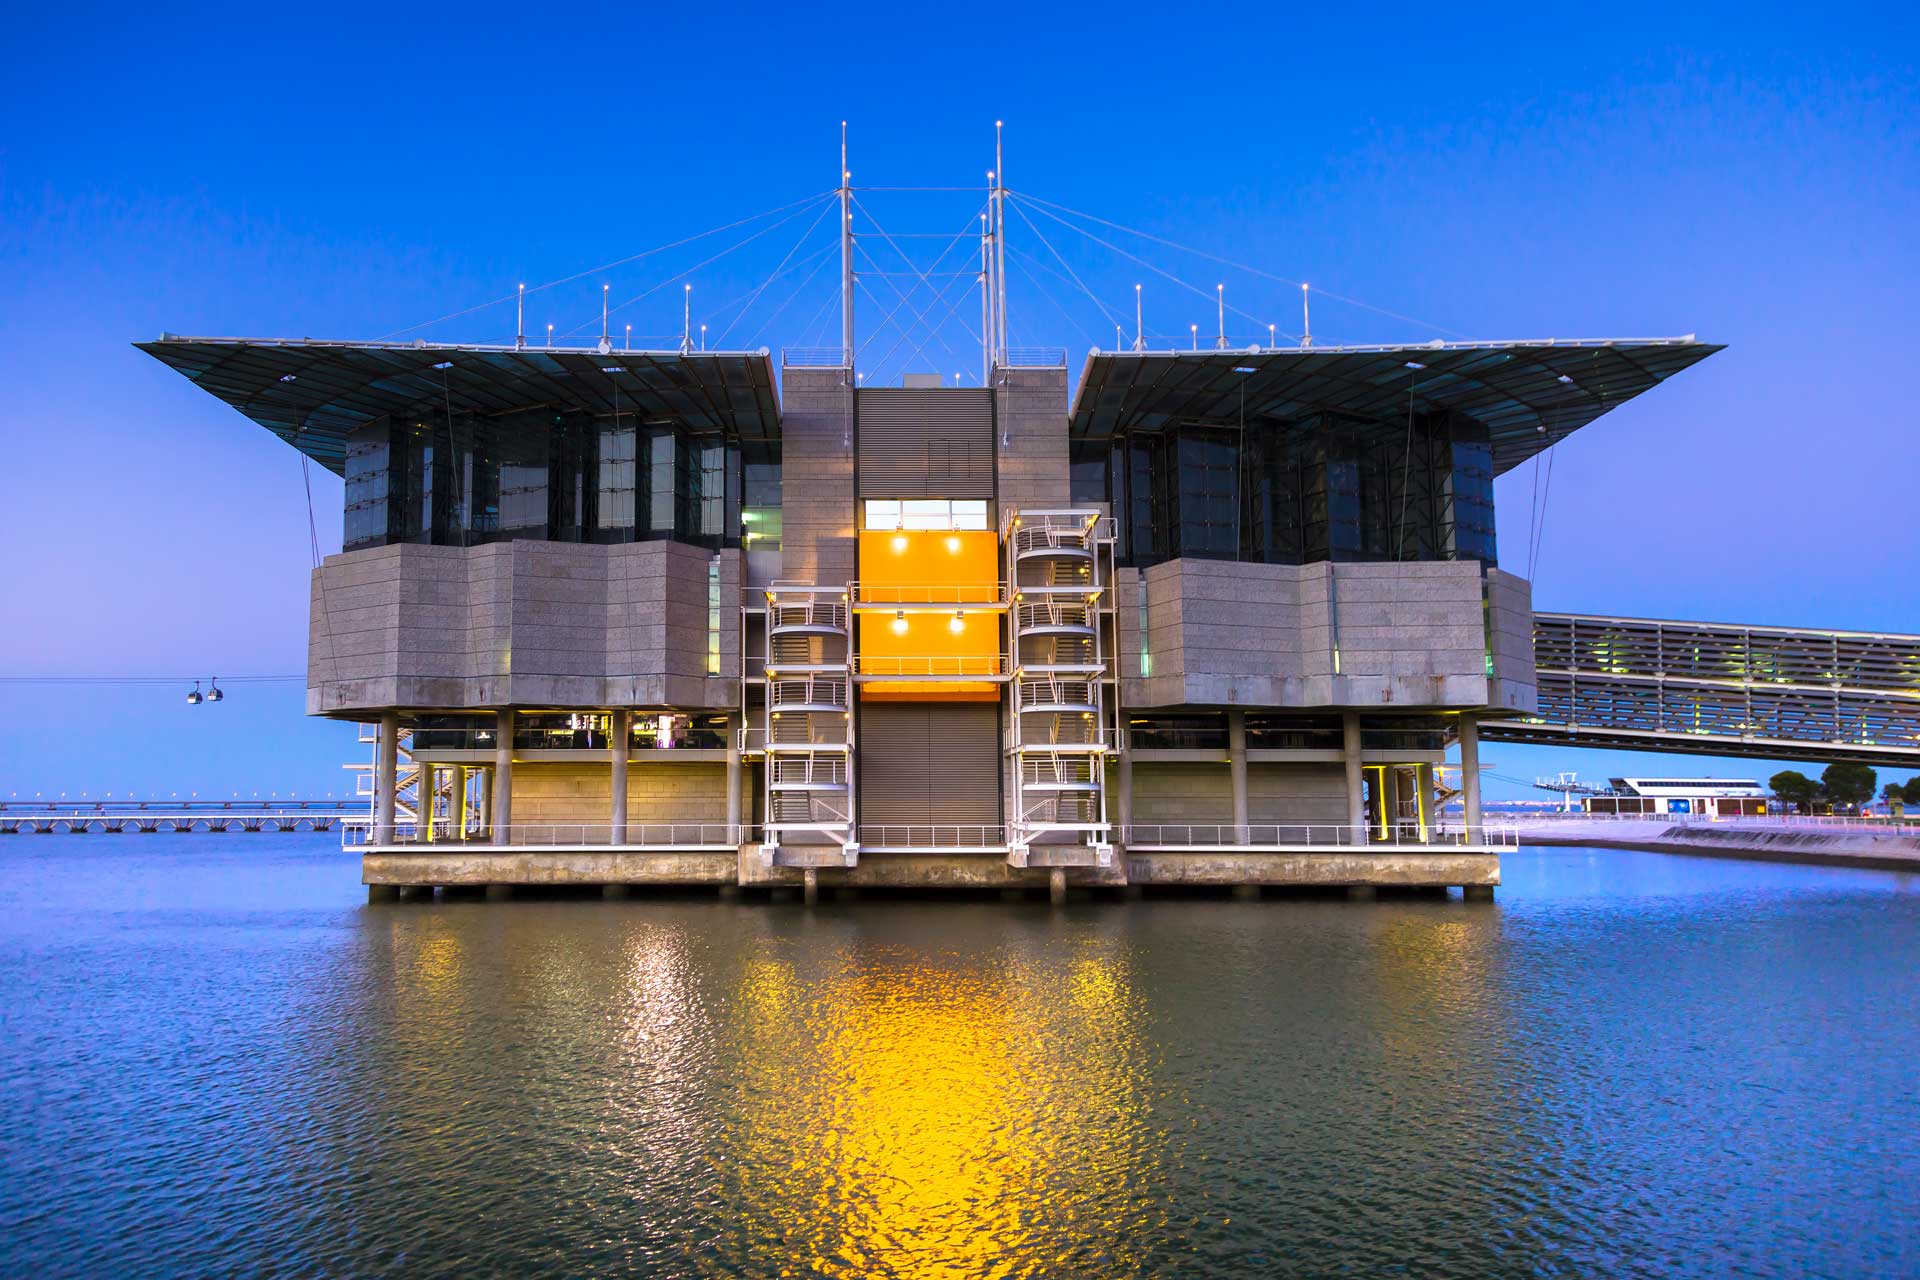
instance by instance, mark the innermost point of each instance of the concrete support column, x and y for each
(733, 772)
(619, 743)
(1423, 812)
(1237, 765)
(1125, 799)
(1470, 775)
(1356, 786)
(386, 777)
(503, 777)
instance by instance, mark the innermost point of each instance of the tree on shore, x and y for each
(1848, 783)
(1794, 788)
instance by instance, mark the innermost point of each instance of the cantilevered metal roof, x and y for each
(1528, 394)
(312, 394)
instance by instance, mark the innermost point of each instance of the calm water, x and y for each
(217, 1059)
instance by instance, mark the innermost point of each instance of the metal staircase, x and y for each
(1057, 740)
(808, 732)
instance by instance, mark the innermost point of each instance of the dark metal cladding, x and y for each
(1529, 395)
(313, 394)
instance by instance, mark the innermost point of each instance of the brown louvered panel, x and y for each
(925, 442)
(929, 762)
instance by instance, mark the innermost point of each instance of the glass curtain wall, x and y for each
(1300, 492)
(546, 476)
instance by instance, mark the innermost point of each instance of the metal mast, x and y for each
(986, 299)
(999, 247)
(846, 250)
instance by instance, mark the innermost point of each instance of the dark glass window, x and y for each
(1324, 487)
(368, 451)
(1294, 733)
(1208, 502)
(1201, 731)
(619, 465)
(522, 450)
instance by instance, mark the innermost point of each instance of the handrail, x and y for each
(939, 835)
(982, 665)
(639, 835)
(814, 358)
(1330, 835)
(994, 593)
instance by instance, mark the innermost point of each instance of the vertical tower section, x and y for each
(809, 726)
(1057, 722)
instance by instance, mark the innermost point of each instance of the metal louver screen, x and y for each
(925, 442)
(929, 762)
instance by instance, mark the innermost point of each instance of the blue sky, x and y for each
(1751, 174)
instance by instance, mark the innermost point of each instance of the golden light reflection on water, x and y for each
(918, 1119)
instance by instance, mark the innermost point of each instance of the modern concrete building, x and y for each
(1196, 618)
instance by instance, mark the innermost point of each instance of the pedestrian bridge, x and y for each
(1706, 688)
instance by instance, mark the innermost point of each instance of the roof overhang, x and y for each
(312, 394)
(1529, 395)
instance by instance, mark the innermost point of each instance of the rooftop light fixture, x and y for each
(1241, 368)
(1564, 378)
(289, 377)
(1415, 364)
(444, 364)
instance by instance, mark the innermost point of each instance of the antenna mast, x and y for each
(846, 250)
(986, 298)
(1000, 245)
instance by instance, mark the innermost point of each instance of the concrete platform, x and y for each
(931, 871)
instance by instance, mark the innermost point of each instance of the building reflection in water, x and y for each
(920, 1113)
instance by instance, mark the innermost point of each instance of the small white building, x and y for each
(1715, 797)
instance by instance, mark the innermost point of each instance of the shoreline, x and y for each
(1865, 850)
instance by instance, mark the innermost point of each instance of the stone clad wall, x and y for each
(521, 624)
(1416, 634)
(816, 481)
(1031, 447)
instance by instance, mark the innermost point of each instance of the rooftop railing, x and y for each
(814, 358)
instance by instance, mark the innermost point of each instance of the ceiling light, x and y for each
(959, 622)
(900, 622)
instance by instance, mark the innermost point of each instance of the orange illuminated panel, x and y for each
(923, 569)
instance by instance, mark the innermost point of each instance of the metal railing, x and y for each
(903, 837)
(1314, 835)
(930, 593)
(808, 769)
(1030, 539)
(785, 693)
(568, 835)
(1782, 821)
(814, 358)
(937, 667)
(1033, 358)
(1075, 614)
(1042, 693)
(830, 614)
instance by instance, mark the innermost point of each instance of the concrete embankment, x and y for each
(1888, 851)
